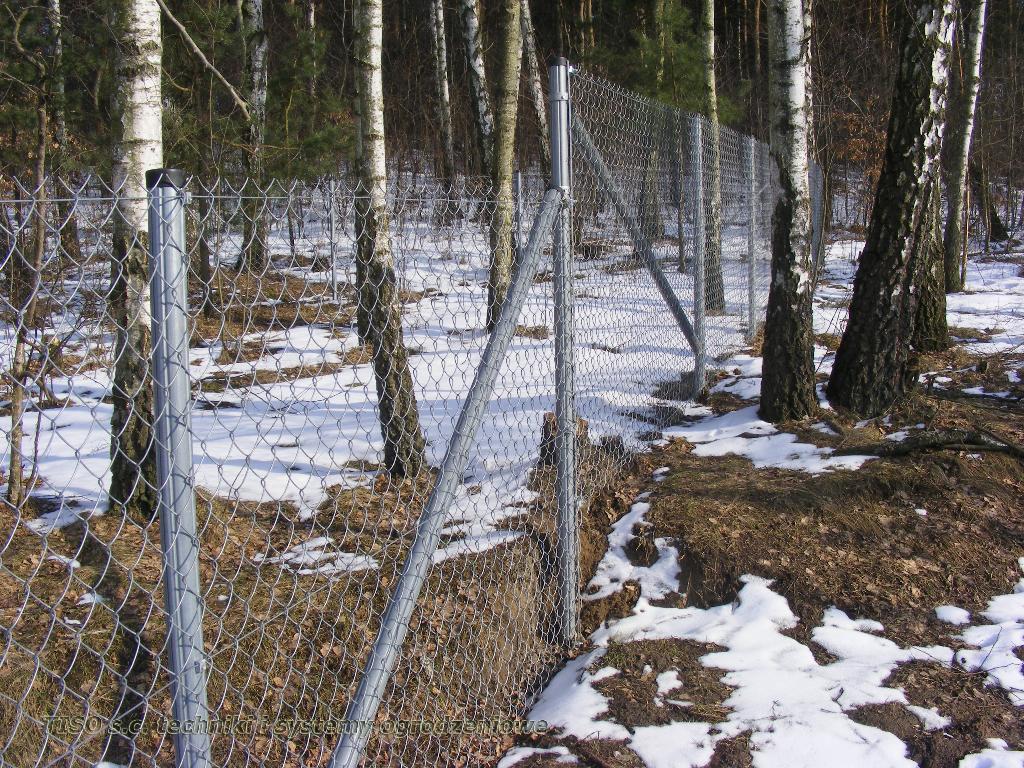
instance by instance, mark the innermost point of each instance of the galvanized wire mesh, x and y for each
(326, 370)
(301, 525)
(650, 152)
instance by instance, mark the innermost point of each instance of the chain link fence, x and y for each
(670, 197)
(270, 465)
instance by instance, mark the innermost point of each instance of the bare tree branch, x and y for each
(242, 104)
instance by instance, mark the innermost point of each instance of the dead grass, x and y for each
(286, 642)
(246, 303)
(829, 341)
(851, 539)
(979, 712)
(538, 332)
(633, 693)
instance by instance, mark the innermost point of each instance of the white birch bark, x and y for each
(482, 115)
(962, 125)
(444, 104)
(788, 382)
(254, 247)
(138, 147)
(255, 72)
(714, 288)
(60, 134)
(533, 76)
(396, 399)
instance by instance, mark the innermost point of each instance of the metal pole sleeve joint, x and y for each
(558, 100)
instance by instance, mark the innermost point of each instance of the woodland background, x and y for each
(652, 47)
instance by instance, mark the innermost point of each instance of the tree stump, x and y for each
(549, 430)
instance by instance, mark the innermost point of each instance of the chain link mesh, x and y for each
(326, 378)
(649, 150)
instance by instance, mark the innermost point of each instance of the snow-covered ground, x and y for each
(795, 709)
(290, 438)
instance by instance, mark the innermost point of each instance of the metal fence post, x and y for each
(176, 505)
(751, 236)
(332, 217)
(565, 383)
(699, 306)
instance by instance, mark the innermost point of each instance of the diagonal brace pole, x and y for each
(640, 243)
(362, 710)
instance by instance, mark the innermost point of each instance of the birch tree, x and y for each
(439, 49)
(787, 386)
(396, 400)
(478, 96)
(714, 288)
(254, 245)
(138, 146)
(872, 368)
(504, 156)
(533, 82)
(961, 122)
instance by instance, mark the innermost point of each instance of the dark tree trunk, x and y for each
(872, 366)
(650, 213)
(133, 463)
(931, 333)
(994, 229)
(503, 156)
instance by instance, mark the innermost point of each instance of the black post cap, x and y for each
(165, 177)
(555, 60)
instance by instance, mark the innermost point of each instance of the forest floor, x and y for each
(831, 592)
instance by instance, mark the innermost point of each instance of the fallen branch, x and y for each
(949, 440)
